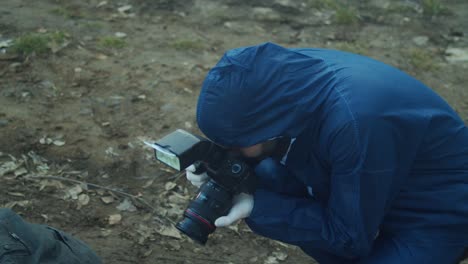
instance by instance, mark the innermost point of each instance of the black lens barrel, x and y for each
(212, 201)
(193, 226)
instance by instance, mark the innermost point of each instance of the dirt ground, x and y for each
(83, 82)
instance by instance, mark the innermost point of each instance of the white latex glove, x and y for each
(195, 179)
(243, 205)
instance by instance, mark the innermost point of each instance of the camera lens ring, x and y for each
(195, 226)
(236, 168)
(210, 226)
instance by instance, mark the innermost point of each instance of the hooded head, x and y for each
(260, 92)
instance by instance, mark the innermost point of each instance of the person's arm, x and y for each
(273, 176)
(364, 161)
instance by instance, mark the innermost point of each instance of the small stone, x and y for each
(103, 3)
(83, 199)
(101, 57)
(126, 205)
(6, 43)
(20, 171)
(15, 65)
(167, 107)
(120, 34)
(114, 101)
(86, 111)
(74, 192)
(457, 55)
(289, 6)
(420, 40)
(266, 14)
(124, 9)
(114, 219)
(107, 199)
(58, 143)
(3, 122)
(106, 232)
(253, 259)
(45, 141)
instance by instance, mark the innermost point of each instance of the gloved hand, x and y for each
(243, 205)
(195, 179)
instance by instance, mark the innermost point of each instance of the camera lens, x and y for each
(211, 202)
(195, 226)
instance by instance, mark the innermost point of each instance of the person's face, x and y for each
(259, 151)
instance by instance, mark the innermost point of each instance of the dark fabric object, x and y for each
(25, 243)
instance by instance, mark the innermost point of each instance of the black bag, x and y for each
(25, 243)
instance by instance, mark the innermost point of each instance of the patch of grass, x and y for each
(323, 4)
(421, 59)
(432, 7)
(346, 16)
(31, 43)
(112, 42)
(58, 37)
(219, 15)
(401, 8)
(187, 44)
(38, 43)
(92, 25)
(60, 11)
(353, 47)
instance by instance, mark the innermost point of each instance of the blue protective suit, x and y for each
(377, 171)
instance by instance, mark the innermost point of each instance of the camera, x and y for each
(229, 173)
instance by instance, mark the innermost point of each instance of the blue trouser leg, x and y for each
(397, 249)
(408, 247)
(324, 257)
(391, 250)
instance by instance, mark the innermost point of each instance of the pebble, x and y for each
(420, 40)
(86, 111)
(265, 14)
(167, 107)
(3, 122)
(457, 54)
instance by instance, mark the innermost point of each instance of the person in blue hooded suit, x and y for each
(376, 167)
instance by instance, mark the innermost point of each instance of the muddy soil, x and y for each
(115, 73)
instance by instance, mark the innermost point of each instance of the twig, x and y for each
(173, 258)
(176, 176)
(141, 200)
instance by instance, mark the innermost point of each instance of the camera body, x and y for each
(229, 174)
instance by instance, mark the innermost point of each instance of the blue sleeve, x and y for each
(363, 156)
(274, 176)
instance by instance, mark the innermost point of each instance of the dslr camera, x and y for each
(229, 174)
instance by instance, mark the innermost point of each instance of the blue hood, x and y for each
(253, 94)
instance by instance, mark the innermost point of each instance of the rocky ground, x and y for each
(83, 83)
